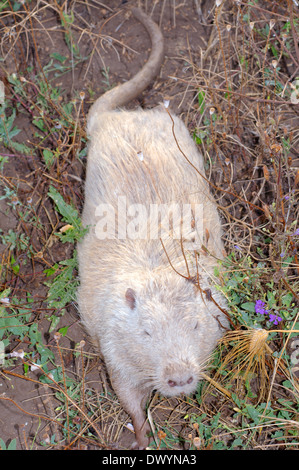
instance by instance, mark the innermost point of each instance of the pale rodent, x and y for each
(154, 326)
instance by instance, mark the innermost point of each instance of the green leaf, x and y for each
(45, 354)
(3, 6)
(39, 123)
(63, 289)
(63, 330)
(12, 324)
(248, 306)
(56, 374)
(48, 157)
(237, 442)
(50, 271)
(201, 101)
(55, 319)
(59, 57)
(69, 213)
(11, 446)
(253, 413)
(4, 294)
(34, 334)
(21, 148)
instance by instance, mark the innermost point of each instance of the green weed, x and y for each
(13, 443)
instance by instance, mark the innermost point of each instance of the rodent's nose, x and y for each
(174, 383)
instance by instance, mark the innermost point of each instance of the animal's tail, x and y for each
(123, 94)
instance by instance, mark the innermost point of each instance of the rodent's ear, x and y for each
(131, 298)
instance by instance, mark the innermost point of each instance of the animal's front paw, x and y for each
(142, 438)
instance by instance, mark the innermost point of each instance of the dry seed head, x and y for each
(197, 442)
(276, 148)
(14, 200)
(161, 434)
(57, 336)
(266, 173)
(248, 354)
(258, 341)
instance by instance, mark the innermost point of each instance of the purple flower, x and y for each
(259, 307)
(274, 318)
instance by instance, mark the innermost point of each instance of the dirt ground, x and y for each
(116, 50)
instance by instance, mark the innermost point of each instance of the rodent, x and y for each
(138, 298)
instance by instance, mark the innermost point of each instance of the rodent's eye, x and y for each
(147, 333)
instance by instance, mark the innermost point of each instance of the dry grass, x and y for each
(244, 116)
